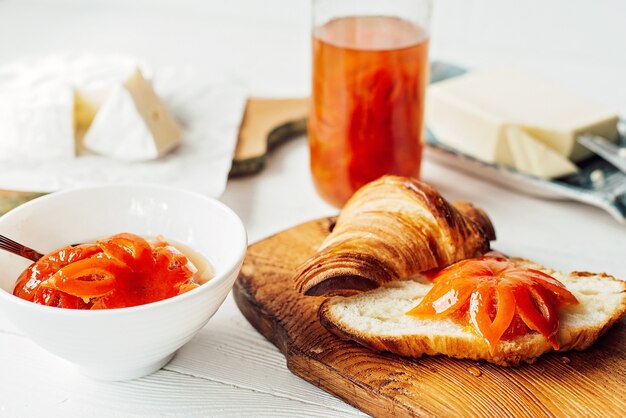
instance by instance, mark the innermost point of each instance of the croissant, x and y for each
(393, 228)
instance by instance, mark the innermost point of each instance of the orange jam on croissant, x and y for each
(498, 299)
(117, 272)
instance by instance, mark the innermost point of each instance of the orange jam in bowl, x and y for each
(117, 272)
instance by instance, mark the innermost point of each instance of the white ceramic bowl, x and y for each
(119, 344)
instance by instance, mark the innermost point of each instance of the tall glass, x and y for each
(370, 69)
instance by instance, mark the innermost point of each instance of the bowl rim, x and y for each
(242, 245)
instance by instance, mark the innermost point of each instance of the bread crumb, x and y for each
(565, 360)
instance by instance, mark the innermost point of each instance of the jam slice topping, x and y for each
(120, 271)
(497, 298)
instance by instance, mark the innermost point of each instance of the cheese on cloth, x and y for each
(37, 123)
(474, 113)
(87, 102)
(133, 124)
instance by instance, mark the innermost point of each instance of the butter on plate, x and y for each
(515, 120)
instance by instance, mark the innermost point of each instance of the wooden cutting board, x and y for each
(590, 383)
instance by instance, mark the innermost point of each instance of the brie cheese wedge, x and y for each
(87, 102)
(133, 124)
(37, 124)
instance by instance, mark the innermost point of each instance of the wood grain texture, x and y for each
(572, 384)
(10, 199)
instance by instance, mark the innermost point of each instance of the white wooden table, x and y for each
(228, 369)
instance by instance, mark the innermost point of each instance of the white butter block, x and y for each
(133, 124)
(473, 112)
(37, 124)
(532, 157)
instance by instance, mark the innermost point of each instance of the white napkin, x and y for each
(209, 110)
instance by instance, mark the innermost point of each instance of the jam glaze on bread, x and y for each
(377, 319)
(393, 228)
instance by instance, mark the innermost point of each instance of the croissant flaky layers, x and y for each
(393, 228)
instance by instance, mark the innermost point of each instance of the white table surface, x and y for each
(228, 369)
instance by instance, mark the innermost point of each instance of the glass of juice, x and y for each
(370, 70)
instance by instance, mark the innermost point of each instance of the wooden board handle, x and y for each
(266, 124)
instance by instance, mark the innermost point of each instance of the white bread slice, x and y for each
(377, 319)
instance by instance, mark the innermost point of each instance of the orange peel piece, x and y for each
(490, 292)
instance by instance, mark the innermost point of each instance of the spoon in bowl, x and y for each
(19, 249)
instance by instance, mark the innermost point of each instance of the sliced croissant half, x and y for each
(393, 228)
